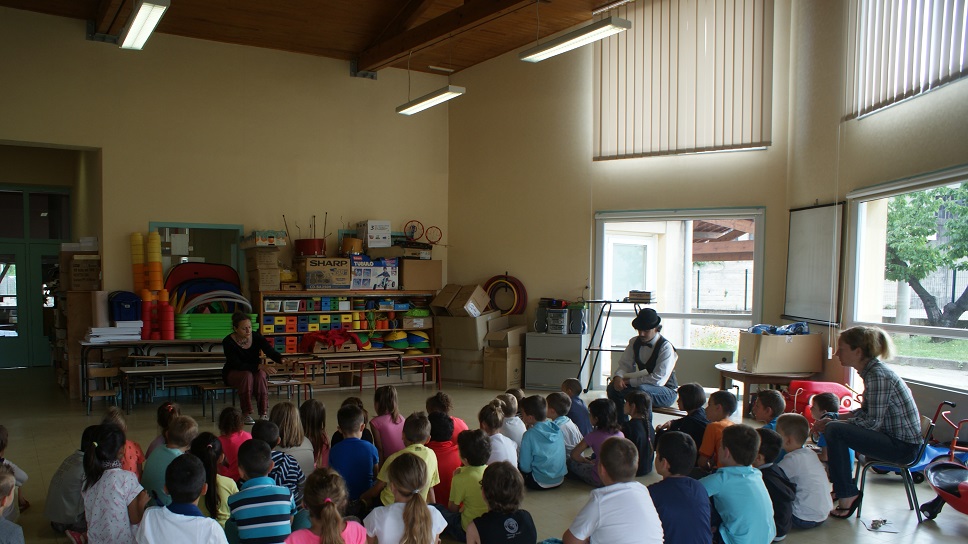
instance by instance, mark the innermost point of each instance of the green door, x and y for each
(14, 344)
(42, 260)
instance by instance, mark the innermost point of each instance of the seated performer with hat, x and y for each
(648, 364)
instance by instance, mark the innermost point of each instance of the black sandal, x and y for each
(849, 511)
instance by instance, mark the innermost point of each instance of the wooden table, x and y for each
(129, 374)
(372, 356)
(140, 347)
(730, 371)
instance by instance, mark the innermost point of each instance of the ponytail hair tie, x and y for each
(416, 491)
(327, 500)
(209, 446)
(95, 443)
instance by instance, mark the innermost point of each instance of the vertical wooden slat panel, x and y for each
(767, 80)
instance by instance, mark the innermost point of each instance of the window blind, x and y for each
(690, 76)
(902, 48)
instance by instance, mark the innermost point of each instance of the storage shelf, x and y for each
(315, 312)
(343, 293)
(267, 334)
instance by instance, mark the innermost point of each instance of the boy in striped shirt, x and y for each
(285, 469)
(261, 510)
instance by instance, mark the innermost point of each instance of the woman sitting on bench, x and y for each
(243, 368)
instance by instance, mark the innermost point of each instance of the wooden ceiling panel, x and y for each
(341, 29)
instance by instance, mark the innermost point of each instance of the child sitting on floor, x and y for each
(65, 507)
(578, 412)
(215, 504)
(514, 427)
(691, 399)
(768, 406)
(366, 435)
(503, 489)
(466, 501)
(682, 502)
(166, 412)
(261, 510)
(824, 405)
(133, 459)
(638, 429)
(416, 434)
(446, 451)
(542, 458)
(491, 420)
(114, 501)
(181, 432)
(408, 517)
(558, 406)
(387, 426)
(325, 498)
(285, 469)
(722, 404)
(622, 511)
(440, 402)
(782, 491)
(233, 434)
(10, 532)
(605, 426)
(742, 510)
(181, 521)
(13, 513)
(813, 503)
(356, 460)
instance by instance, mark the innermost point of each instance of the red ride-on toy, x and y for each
(949, 477)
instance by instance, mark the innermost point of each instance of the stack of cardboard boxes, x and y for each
(262, 268)
(503, 352)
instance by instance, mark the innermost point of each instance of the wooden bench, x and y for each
(669, 411)
(422, 361)
(210, 391)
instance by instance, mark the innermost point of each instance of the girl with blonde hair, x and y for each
(292, 440)
(409, 520)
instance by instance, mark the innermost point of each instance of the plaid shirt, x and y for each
(888, 406)
(286, 473)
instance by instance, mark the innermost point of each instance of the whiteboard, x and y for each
(814, 264)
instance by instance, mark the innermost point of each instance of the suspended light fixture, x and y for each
(576, 38)
(147, 13)
(432, 99)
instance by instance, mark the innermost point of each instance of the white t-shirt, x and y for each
(303, 453)
(570, 433)
(618, 514)
(160, 525)
(503, 449)
(106, 506)
(386, 523)
(812, 502)
(514, 429)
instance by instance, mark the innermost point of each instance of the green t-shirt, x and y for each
(226, 488)
(153, 477)
(421, 451)
(465, 489)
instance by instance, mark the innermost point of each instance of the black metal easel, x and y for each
(599, 330)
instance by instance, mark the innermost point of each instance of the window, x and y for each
(909, 272)
(898, 49)
(702, 267)
(689, 76)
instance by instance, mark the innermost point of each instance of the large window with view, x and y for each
(910, 274)
(702, 266)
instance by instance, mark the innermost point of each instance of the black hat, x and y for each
(646, 320)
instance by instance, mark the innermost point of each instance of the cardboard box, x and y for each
(506, 331)
(418, 322)
(261, 257)
(462, 333)
(374, 275)
(438, 306)
(470, 301)
(502, 368)
(323, 272)
(264, 238)
(85, 273)
(345, 347)
(416, 275)
(374, 233)
(766, 354)
(462, 365)
(400, 252)
(264, 280)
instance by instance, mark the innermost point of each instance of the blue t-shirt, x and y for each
(740, 497)
(772, 426)
(262, 510)
(579, 415)
(354, 460)
(683, 507)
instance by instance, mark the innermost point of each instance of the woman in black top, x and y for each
(244, 369)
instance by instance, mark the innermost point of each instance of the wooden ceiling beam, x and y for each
(109, 20)
(473, 13)
(722, 251)
(745, 225)
(405, 19)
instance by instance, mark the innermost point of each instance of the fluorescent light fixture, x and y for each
(147, 13)
(430, 100)
(576, 38)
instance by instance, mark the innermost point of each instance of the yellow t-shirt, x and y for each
(421, 451)
(465, 489)
(226, 487)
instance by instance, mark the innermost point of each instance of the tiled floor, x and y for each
(45, 427)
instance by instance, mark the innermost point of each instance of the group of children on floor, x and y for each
(416, 478)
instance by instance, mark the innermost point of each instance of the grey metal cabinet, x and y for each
(552, 358)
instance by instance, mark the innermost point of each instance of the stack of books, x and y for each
(642, 297)
(123, 331)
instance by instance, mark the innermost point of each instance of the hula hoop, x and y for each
(520, 294)
(433, 234)
(411, 228)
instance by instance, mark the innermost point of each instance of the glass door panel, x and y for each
(13, 338)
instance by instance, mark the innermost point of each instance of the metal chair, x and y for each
(927, 429)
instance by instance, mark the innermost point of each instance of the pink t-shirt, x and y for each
(353, 533)
(230, 447)
(390, 433)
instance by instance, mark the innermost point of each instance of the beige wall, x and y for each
(524, 189)
(195, 131)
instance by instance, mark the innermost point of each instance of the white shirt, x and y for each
(570, 433)
(106, 507)
(303, 453)
(812, 502)
(664, 365)
(160, 525)
(514, 429)
(503, 449)
(387, 525)
(617, 514)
